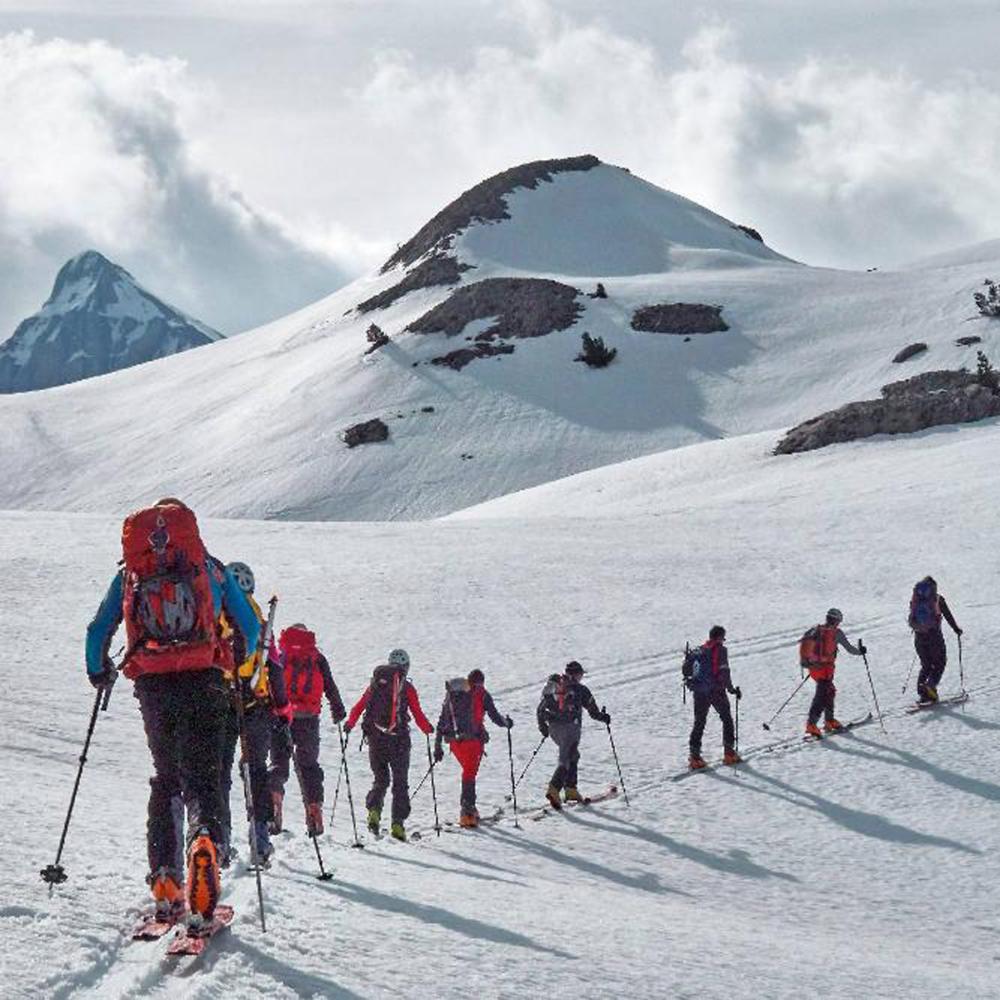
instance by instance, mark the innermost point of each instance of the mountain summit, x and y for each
(97, 319)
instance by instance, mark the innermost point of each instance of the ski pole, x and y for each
(533, 756)
(871, 684)
(909, 673)
(767, 725)
(961, 668)
(430, 759)
(55, 874)
(737, 734)
(336, 791)
(347, 780)
(324, 875)
(420, 783)
(513, 787)
(617, 764)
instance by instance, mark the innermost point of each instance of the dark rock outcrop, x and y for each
(98, 319)
(913, 404)
(968, 341)
(519, 307)
(367, 432)
(680, 318)
(457, 360)
(910, 351)
(751, 232)
(435, 271)
(376, 337)
(483, 203)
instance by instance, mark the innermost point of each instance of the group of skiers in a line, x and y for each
(706, 669)
(209, 676)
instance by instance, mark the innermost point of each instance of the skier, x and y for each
(466, 702)
(818, 654)
(170, 593)
(307, 678)
(387, 703)
(560, 715)
(261, 685)
(927, 607)
(708, 677)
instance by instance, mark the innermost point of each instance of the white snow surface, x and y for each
(861, 866)
(251, 426)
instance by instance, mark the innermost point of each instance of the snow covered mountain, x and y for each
(98, 319)
(477, 387)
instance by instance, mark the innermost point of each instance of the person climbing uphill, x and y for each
(461, 725)
(387, 703)
(818, 654)
(707, 676)
(560, 715)
(927, 607)
(170, 594)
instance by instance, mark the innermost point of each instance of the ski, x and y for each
(191, 942)
(958, 699)
(843, 729)
(540, 811)
(453, 826)
(151, 926)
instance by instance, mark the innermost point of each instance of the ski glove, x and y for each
(862, 648)
(438, 754)
(508, 722)
(104, 677)
(543, 729)
(959, 632)
(605, 718)
(737, 692)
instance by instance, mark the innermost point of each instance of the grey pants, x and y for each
(566, 736)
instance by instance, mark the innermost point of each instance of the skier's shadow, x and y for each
(645, 883)
(865, 823)
(451, 871)
(283, 972)
(738, 862)
(972, 721)
(903, 758)
(428, 914)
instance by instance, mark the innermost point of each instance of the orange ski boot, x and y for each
(813, 730)
(167, 893)
(203, 883)
(832, 726)
(731, 757)
(314, 818)
(696, 763)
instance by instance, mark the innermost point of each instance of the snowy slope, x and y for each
(861, 867)
(98, 319)
(251, 426)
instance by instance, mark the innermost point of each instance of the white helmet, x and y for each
(399, 658)
(243, 576)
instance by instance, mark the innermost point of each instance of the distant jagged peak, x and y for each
(486, 202)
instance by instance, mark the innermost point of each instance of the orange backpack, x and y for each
(168, 606)
(818, 651)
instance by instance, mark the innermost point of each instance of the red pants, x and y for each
(468, 753)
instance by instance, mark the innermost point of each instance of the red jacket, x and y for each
(399, 716)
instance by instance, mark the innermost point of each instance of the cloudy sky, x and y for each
(245, 158)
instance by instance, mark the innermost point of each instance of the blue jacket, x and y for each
(226, 596)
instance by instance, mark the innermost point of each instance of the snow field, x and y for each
(863, 865)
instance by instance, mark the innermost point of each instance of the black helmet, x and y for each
(717, 632)
(476, 676)
(573, 669)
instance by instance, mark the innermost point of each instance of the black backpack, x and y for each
(387, 710)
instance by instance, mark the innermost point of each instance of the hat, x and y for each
(573, 668)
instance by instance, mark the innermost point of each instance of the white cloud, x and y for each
(835, 162)
(95, 152)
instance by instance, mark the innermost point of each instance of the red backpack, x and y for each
(303, 678)
(818, 651)
(168, 606)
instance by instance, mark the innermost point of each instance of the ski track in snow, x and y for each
(717, 886)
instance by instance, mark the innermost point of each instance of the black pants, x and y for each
(933, 658)
(305, 737)
(389, 757)
(566, 736)
(719, 700)
(184, 715)
(258, 721)
(822, 703)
